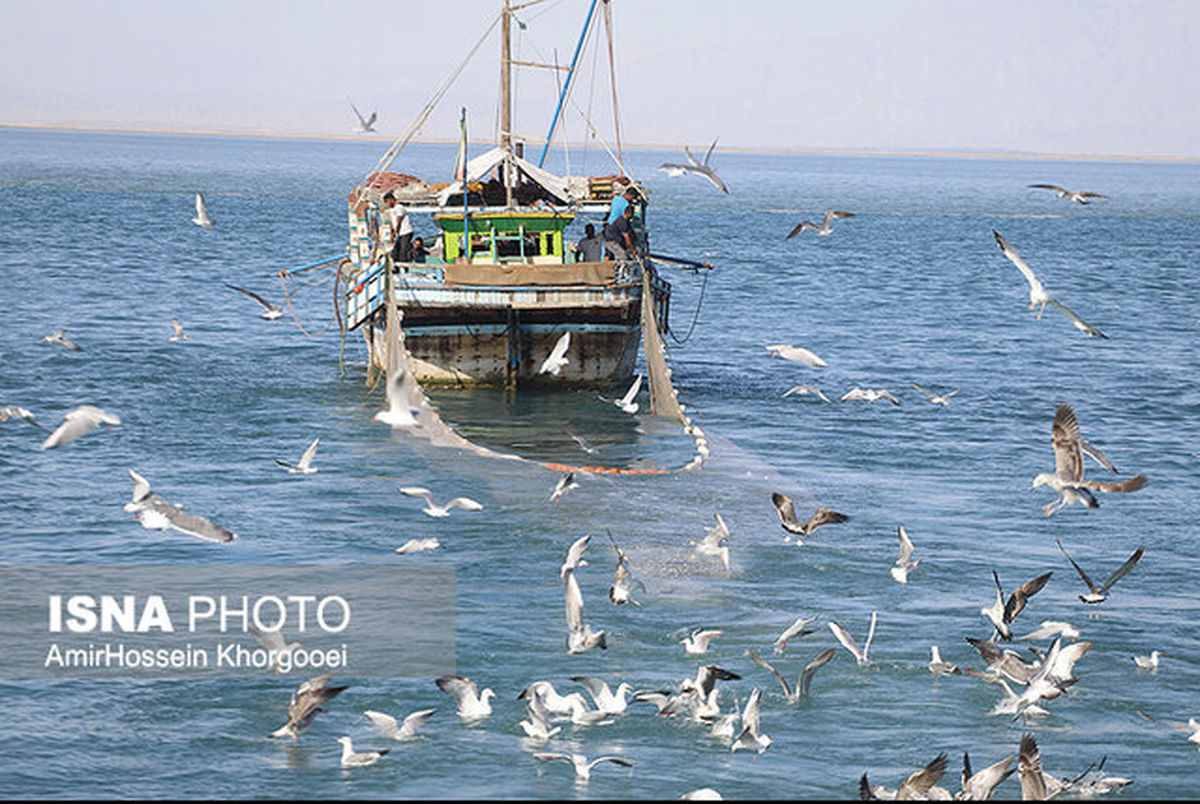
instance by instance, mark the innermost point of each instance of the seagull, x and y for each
(472, 704)
(1192, 727)
(274, 643)
(787, 517)
(581, 636)
(751, 737)
(537, 727)
(366, 125)
(1092, 783)
(860, 656)
(1036, 784)
(803, 681)
(399, 731)
(548, 698)
(360, 759)
(433, 509)
(916, 787)
(1004, 662)
(575, 554)
(806, 389)
(304, 467)
(399, 411)
(696, 168)
(1067, 478)
(904, 563)
(796, 354)
(826, 228)
(935, 399)
(979, 786)
(1039, 296)
(79, 422)
(1148, 662)
(939, 667)
(558, 355)
(158, 514)
(59, 336)
(583, 768)
(202, 218)
(305, 705)
(797, 629)
(272, 312)
(626, 402)
(1053, 628)
(697, 643)
(621, 590)
(1001, 613)
(1098, 594)
(869, 395)
(608, 701)
(179, 335)
(1078, 196)
(713, 543)
(26, 415)
(583, 443)
(417, 546)
(564, 484)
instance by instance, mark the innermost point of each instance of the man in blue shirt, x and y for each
(620, 203)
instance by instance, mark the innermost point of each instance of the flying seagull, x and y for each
(917, 787)
(399, 731)
(1002, 613)
(936, 399)
(1067, 478)
(24, 414)
(869, 395)
(826, 228)
(608, 701)
(564, 484)
(202, 218)
(697, 642)
(714, 540)
(860, 655)
(155, 513)
(366, 125)
(418, 546)
(1098, 594)
(751, 736)
(272, 312)
(178, 335)
(797, 629)
(273, 641)
(581, 637)
(59, 336)
(1078, 196)
(304, 466)
(558, 355)
(626, 402)
(787, 517)
(796, 354)
(696, 168)
(358, 759)
(305, 705)
(803, 681)
(905, 562)
(1038, 294)
(806, 389)
(583, 768)
(621, 591)
(433, 509)
(79, 422)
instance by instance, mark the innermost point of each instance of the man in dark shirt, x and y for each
(618, 237)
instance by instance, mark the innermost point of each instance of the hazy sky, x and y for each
(1073, 77)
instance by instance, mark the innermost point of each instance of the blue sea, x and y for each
(96, 238)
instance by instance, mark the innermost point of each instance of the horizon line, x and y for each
(944, 153)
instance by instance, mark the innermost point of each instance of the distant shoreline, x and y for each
(780, 150)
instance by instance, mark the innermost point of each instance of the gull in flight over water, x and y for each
(1098, 594)
(1148, 662)
(583, 768)
(399, 412)
(178, 336)
(1038, 296)
(869, 395)
(1192, 727)
(366, 125)
(565, 483)
(272, 312)
(696, 168)
(202, 218)
(575, 554)
(803, 681)
(787, 518)
(860, 655)
(826, 227)
(305, 705)
(1067, 478)
(1053, 628)
(78, 423)
(274, 641)
(358, 759)
(155, 513)
(806, 389)
(904, 563)
(304, 466)
(936, 399)
(59, 336)
(418, 546)
(399, 731)
(558, 355)
(797, 629)
(621, 591)
(919, 786)
(1002, 613)
(796, 354)
(472, 704)
(626, 402)
(713, 543)
(433, 509)
(697, 642)
(1078, 196)
(16, 411)
(581, 637)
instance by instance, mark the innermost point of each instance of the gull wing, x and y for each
(1079, 323)
(1054, 187)
(800, 227)
(414, 721)
(574, 602)
(141, 490)
(798, 628)
(307, 457)
(560, 347)
(1124, 569)
(1064, 434)
(847, 641)
(542, 756)
(1086, 579)
(417, 491)
(371, 121)
(765, 665)
(194, 525)
(465, 503)
(787, 513)
(923, 389)
(1090, 194)
(252, 295)
(597, 687)
(691, 159)
(1096, 454)
(917, 785)
(576, 551)
(870, 634)
(384, 722)
(271, 640)
(1029, 767)
(628, 763)
(632, 392)
(750, 713)
(979, 786)
(823, 516)
(709, 152)
(462, 690)
(906, 546)
(1129, 484)
(201, 207)
(703, 637)
(1017, 600)
(309, 696)
(1015, 258)
(810, 670)
(711, 175)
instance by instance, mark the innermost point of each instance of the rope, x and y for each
(695, 316)
(612, 82)
(287, 297)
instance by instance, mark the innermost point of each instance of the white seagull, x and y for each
(626, 402)
(59, 336)
(24, 414)
(826, 227)
(806, 389)
(305, 704)
(366, 125)
(178, 335)
(581, 636)
(274, 642)
(399, 731)
(1038, 294)
(155, 513)
(1148, 662)
(304, 466)
(537, 727)
(272, 312)
(803, 681)
(583, 768)
(797, 629)
(472, 704)
(935, 399)
(697, 642)
(79, 422)
(796, 354)
(713, 543)
(904, 563)
(1002, 613)
(564, 484)
(358, 759)
(608, 701)
(1078, 196)
(939, 667)
(860, 655)
(751, 736)
(696, 168)
(558, 355)
(202, 218)
(433, 509)
(417, 546)
(869, 395)
(621, 591)
(1099, 594)
(575, 553)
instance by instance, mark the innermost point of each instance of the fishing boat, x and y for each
(501, 284)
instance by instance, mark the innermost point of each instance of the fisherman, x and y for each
(401, 227)
(419, 252)
(618, 237)
(620, 203)
(591, 247)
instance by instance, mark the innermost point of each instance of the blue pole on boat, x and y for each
(316, 264)
(562, 96)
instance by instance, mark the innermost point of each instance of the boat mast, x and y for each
(506, 100)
